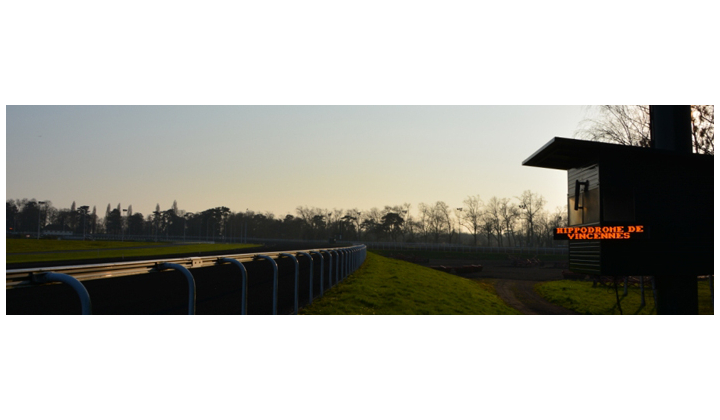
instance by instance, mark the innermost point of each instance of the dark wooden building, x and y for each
(633, 210)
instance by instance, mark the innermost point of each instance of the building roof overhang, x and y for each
(564, 153)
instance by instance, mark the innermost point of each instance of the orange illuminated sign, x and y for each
(598, 232)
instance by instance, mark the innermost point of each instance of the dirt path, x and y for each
(521, 295)
(515, 285)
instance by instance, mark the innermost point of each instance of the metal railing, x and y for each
(344, 262)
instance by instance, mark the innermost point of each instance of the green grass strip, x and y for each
(100, 249)
(383, 286)
(582, 297)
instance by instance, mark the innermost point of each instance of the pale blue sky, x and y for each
(275, 158)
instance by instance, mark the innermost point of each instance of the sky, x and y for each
(276, 158)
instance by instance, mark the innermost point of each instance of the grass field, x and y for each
(581, 297)
(17, 250)
(383, 286)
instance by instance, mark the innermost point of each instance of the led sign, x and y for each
(595, 233)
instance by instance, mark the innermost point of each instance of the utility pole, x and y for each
(671, 130)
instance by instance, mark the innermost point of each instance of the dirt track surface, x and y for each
(515, 285)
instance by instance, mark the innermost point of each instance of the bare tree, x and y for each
(531, 206)
(443, 215)
(312, 220)
(423, 222)
(493, 214)
(435, 219)
(410, 227)
(472, 216)
(630, 125)
(509, 213)
(622, 124)
(487, 227)
(703, 128)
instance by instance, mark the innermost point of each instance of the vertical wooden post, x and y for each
(671, 130)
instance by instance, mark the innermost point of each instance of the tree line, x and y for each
(517, 221)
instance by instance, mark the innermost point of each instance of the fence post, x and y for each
(348, 266)
(356, 253)
(85, 304)
(333, 257)
(321, 270)
(330, 261)
(297, 278)
(341, 265)
(338, 266)
(311, 273)
(243, 273)
(275, 279)
(188, 277)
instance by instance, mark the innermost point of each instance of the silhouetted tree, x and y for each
(630, 125)
(93, 221)
(471, 216)
(493, 213)
(392, 224)
(531, 205)
(60, 220)
(372, 223)
(113, 223)
(292, 227)
(509, 213)
(703, 128)
(107, 218)
(156, 220)
(28, 216)
(487, 227)
(74, 221)
(11, 213)
(314, 223)
(355, 216)
(621, 124)
(435, 218)
(135, 224)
